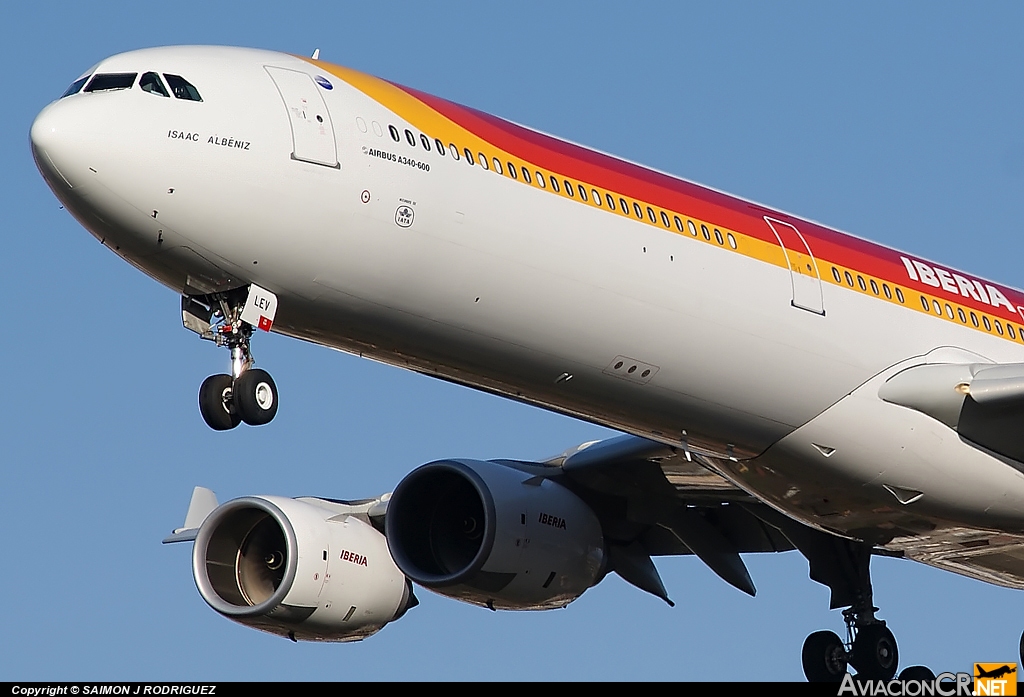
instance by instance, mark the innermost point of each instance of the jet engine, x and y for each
(301, 568)
(493, 535)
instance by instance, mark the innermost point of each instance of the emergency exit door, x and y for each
(803, 270)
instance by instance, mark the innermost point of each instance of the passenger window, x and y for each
(861, 283)
(541, 180)
(974, 319)
(963, 317)
(597, 196)
(732, 240)
(454, 150)
(425, 141)
(1009, 330)
(440, 146)
(108, 82)
(664, 219)
(924, 303)
(938, 308)
(678, 222)
(497, 165)
(583, 193)
(949, 313)
(526, 176)
(410, 137)
(718, 236)
(874, 287)
(650, 214)
(624, 205)
(707, 235)
(75, 87)
(692, 227)
(849, 280)
(512, 171)
(899, 295)
(394, 133)
(885, 289)
(182, 88)
(639, 212)
(988, 325)
(568, 188)
(999, 327)
(483, 160)
(554, 185)
(469, 155)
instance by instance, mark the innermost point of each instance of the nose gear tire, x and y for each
(255, 397)
(216, 403)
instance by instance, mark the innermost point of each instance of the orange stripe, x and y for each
(765, 249)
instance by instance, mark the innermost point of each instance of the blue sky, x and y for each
(898, 122)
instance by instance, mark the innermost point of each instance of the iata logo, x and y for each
(995, 678)
(404, 216)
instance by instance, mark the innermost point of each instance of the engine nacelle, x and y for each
(492, 535)
(297, 569)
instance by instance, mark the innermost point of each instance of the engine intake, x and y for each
(297, 569)
(492, 535)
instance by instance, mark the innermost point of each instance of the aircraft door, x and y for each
(803, 271)
(312, 132)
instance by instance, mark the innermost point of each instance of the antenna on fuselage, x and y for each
(316, 54)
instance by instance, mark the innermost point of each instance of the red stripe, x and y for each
(636, 182)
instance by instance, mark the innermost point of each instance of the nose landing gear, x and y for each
(248, 394)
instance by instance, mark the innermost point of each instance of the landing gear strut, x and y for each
(870, 647)
(845, 567)
(248, 394)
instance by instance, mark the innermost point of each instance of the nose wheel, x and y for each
(247, 394)
(255, 397)
(217, 404)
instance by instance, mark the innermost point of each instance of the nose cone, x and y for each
(52, 143)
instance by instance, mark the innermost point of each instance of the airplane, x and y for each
(994, 673)
(781, 385)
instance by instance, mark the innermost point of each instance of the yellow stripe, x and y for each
(429, 121)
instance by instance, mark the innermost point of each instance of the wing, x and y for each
(656, 500)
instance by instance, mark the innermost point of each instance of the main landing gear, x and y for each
(870, 646)
(248, 394)
(845, 567)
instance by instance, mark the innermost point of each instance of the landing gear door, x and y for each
(260, 308)
(312, 132)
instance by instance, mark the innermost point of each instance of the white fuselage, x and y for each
(458, 272)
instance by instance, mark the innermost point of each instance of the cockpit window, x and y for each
(105, 82)
(182, 88)
(150, 82)
(75, 87)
